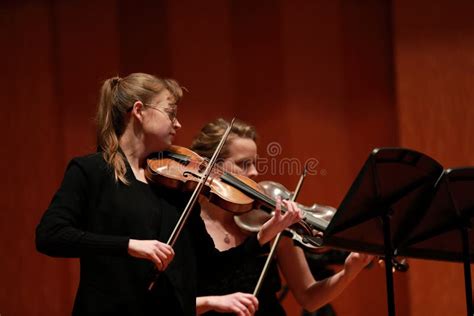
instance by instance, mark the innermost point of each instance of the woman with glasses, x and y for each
(107, 214)
(218, 290)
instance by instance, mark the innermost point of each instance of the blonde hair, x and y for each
(117, 97)
(210, 135)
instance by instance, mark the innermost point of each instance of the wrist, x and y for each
(348, 274)
(265, 234)
(132, 247)
(259, 238)
(204, 304)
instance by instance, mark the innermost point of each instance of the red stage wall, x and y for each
(327, 80)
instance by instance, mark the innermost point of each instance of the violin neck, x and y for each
(245, 188)
(316, 222)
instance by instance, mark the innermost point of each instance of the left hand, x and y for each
(278, 222)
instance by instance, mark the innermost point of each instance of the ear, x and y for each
(137, 110)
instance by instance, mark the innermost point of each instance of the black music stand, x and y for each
(444, 232)
(383, 204)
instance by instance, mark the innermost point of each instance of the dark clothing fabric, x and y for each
(92, 217)
(241, 275)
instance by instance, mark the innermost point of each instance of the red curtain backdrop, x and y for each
(434, 52)
(324, 79)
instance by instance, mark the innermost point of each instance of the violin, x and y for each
(180, 168)
(253, 220)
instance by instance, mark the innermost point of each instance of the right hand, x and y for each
(242, 304)
(160, 253)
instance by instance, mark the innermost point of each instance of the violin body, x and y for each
(181, 169)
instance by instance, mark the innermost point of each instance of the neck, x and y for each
(134, 149)
(216, 213)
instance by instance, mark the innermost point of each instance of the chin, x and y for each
(161, 146)
(168, 144)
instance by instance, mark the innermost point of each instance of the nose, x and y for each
(176, 124)
(252, 171)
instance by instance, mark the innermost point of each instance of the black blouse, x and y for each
(241, 275)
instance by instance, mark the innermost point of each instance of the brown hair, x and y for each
(117, 97)
(208, 139)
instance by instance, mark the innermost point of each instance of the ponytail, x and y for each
(108, 124)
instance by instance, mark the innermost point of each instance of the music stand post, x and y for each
(467, 270)
(464, 230)
(388, 265)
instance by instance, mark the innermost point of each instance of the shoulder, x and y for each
(91, 166)
(90, 162)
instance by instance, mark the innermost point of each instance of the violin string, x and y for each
(220, 172)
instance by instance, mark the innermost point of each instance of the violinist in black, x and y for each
(106, 214)
(222, 290)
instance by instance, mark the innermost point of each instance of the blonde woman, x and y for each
(107, 214)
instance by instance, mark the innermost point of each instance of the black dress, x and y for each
(92, 217)
(241, 275)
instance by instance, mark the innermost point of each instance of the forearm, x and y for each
(323, 292)
(312, 294)
(72, 246)
(267, 233)
(60, 239)
(263, 238)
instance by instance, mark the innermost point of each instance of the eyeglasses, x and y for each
(172, 113)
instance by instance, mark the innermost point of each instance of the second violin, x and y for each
(253, 220)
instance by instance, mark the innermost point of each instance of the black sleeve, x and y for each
(60, 232)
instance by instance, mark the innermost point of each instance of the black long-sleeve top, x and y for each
(241, 275)
(92, 217)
